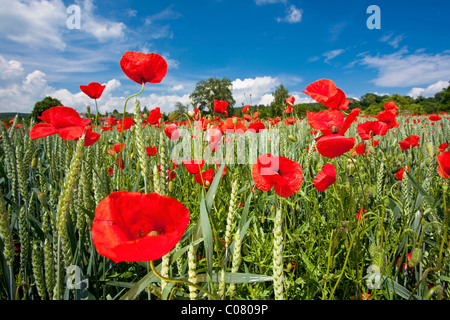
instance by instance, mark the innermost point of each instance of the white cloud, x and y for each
(100, 28)
(429, 91)
(253, 90)
(43, 23)
(329, 55)
(293, 15)
(404, 70)
(34, 23)
(392, 41)
(10, 69)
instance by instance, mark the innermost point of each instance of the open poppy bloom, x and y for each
(325, 91)
(256, 126)
(221, 106)
(368, 129)
(245, 109)
(333, 126)
(143, 68)
(94, 90)
(443, 160)
(409, 142)
(434, 117)
(193, 166)
(124, 124)
(130, 226)
(172, 132)
(390, 106)
(151, 151)
(443, 146)
(64, 121)
(388, 117)
(205, 178)
(325, 178)
(154, 116)
(399, 173)
(281, 173)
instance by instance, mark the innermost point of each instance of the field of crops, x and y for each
(335, 206)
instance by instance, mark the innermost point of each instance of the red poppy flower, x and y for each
(143, 68)
(388, 117)
(193, 166)
(368, 129)
(443, 146)
(325, 178)
(409, 142)
(213, 136)
(116, 148)
(151, 151)
(434, 117)
(154, 116)
(443, 160)
(94, 90)
(281, 173)
(110, 170)
(360, 148)
(256, 126)
(245, 109)
(390, 106)
(130, 226)
(399, 174)
(333, 126)
(205, 178)
(64, 121)
(221, 106)
(248, 117)
(325, 91)
(229, 127)
(90, 137)
(172, 132)
(125, 124)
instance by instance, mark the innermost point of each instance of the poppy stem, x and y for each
(212, 296)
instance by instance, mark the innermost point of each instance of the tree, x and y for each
(180, 110)
(45, 104)
(279, 100)
(206, 91)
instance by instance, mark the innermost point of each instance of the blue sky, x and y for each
(257, 44)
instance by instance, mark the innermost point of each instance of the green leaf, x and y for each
(207, 233)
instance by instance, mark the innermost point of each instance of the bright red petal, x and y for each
(325, 178)
(141, 67)
(41, 130)
(334, 145)
(125, 222)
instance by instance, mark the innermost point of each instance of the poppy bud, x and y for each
(292, 138)
(235, 120)
(190, 113)
(430, 150)
(207, 184)
(191, 101)
(444, 187)
(105, 148)
(34, 163)
(351, 169)
(171, 186)
(416, 256)
(88, 108)
(427, 161)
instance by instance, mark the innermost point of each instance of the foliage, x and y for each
(43, 105)
(206, 91)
